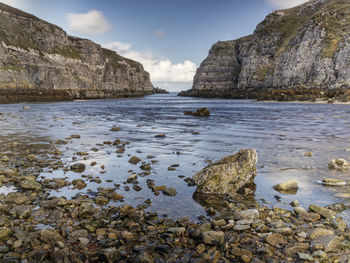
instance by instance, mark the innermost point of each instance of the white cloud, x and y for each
(159, 33)
(286, 3)
(90, 23)
(163, 72)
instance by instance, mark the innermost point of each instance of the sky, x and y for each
(169, 37)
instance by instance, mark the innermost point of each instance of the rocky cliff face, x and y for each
(300, 53)
(40, 62)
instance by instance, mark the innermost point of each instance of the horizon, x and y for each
(169, 48)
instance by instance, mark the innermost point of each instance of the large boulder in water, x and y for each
(228, 175)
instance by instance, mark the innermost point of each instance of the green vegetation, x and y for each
(261, 73)
(66, 51)
(117, 61)
(334, 18)
(12, 67)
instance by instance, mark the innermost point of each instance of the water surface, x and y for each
(281, 133)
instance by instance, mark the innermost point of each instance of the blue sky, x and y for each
(169, 37)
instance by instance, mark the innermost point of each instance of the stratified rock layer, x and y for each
(40, 62)
(294, 54)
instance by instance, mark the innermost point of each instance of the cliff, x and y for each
(300, 53)
(40, 62)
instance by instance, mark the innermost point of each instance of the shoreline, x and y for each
(36, 227)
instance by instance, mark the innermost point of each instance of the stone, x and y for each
(143, 257)
(201, 112)
(309, 216)
(213, 237)
(327, 213)
(79, 183)
(5, 233)
(338, 164)
(289, 185)
(292, 249)
(305, 256)
(50, 235)
(115, 128)
(30, 185)
(329, 243)
(320, 232)
(248, 214)
(170, 191)
(134, 160)
(333, 182)
(228, 175)
(319, 254)
(275, 239)
(308, 154)
(78, 167)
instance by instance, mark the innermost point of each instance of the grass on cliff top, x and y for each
(334, 17)
(116, 60)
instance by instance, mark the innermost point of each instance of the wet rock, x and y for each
(317, 232)
(160, 136)
(30, 185)
(309, 216)
(201, 112)
(248, 214)
(327, 213)
(50, 236)
(137, 187)
(79, 183)
(275, 239)
(21, 211)
(292, 249)
(78, 167)
(5, 233)
(86, 209)
(328, 243)
(287, 185)
(319, 254)
(143, 257)
(308, 154)
(75, 136)
(115, 128)
(333, 182)
(228, 175)
(305, 256)
(213, 237)
(145, 166)
(170, 191)
(134, 160)
(187, 112)
(338, 164)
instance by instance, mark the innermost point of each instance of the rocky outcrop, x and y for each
(229, 175)
(40, 62)
(294, 54)
(160, 91)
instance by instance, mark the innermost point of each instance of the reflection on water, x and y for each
(281, 133)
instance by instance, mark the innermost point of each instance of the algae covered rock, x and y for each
(228, 175)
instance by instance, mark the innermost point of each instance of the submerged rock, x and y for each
(202, 112)
(228, 175)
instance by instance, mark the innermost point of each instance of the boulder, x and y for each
(287, 185)
(228, 175)
(338, 164)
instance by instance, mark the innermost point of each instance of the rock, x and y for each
(134, 160)
(275, 239)
(160, 136)
(308, 154)
(83, 241)
(261, 66)
(248, 214)
(333, 182)
(30, 185)
(21, 211)
(145, 166)
(115, 128)
(78, 167)
(50, 235)
(319, 254)
(338, 164)
(317, 232)
(292, 249)
(213, 237)
(170, 191)
(327, 213)
(329, 243)
(202, 112)
(309, 216)
(86, 209)
(305, 256)
(79, 183)
(287, 185)
(228, 175)
(294, 203)
(5, 233)
(188, 112)
(143, 257)
(75, 136)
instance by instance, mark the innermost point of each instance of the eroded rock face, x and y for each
(228, 175)
(40, 62)
(294, 54)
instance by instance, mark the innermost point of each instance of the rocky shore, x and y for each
(36, 227)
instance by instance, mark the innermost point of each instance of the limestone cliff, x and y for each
(302, 53)
(40, 62)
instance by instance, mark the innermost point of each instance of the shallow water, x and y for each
(281, 133)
